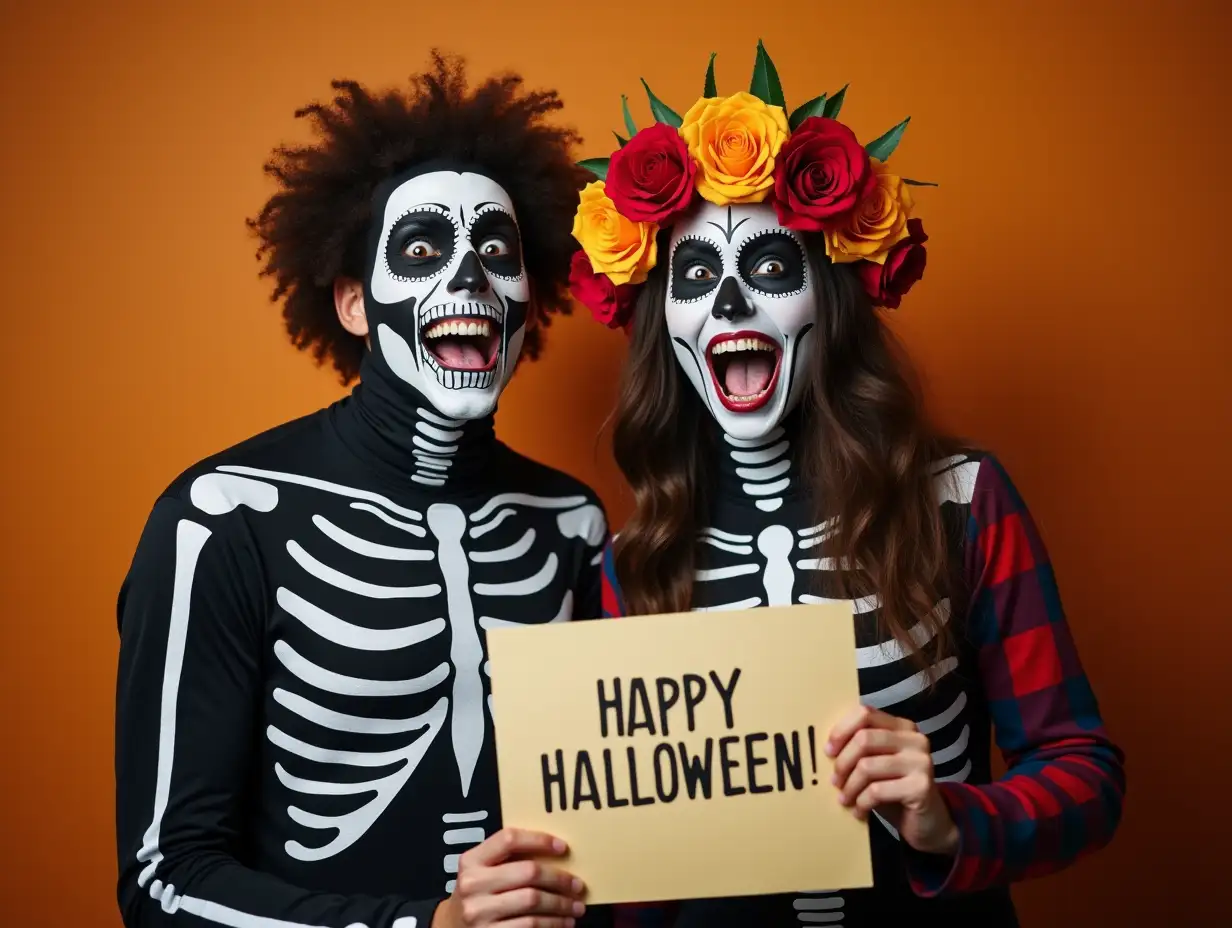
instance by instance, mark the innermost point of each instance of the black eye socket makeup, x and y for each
(495, 239)
(420, 244)
(697, 269)
(772, 263)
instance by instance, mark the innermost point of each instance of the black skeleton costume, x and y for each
(304, 734)
(740, 311)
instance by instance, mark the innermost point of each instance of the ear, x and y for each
(349, 304)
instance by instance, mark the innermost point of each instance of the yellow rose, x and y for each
(734, 140)
(878, 223)
(622, 249)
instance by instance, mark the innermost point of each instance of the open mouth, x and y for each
(745, 369)
(463, 343)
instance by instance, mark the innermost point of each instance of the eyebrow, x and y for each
(440, 206)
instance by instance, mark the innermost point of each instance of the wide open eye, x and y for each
(773, 263)
(699, 273)
(420, 245)
(494, 236)
(770, 267)
(421, 249)
(494, 248)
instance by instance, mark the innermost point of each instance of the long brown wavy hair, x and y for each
(868, 453)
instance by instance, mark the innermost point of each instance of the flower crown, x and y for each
(745, 149)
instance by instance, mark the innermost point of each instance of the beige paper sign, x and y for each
(682, 756)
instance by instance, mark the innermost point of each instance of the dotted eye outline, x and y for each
(671, 278)
(424, 208)
(804, 283)
(497, 208)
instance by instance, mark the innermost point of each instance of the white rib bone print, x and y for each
(776, 556)
(444, 534)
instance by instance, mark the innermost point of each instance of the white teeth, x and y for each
(742, 344)
(441, 329)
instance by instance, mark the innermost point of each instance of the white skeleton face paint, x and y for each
(741, 309)
(447, 290)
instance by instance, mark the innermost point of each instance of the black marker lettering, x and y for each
(613, 801)
(664, 686)
(591, 792)
(725, 693)
(727, 765)
(637, 800)
(614, 704)
(694, 692)
(697, 769)
(551, 777)
(754, 762)
(639, 707)
(661, 751)
(788, 763)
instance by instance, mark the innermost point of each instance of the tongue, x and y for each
(461, 354)
(748, 376)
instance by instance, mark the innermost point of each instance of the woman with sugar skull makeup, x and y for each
(778, 456)
(303, 725)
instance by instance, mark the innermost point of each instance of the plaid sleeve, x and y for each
(613, 604)
(1062, 794)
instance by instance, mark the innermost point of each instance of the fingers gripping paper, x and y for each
(682, 756)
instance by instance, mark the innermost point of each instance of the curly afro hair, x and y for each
(314, 228)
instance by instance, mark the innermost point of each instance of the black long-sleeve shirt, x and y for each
(304, 734)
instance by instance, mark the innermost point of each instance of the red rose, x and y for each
(821, 174)
(608, 303)
(651, 178)
(888, 283)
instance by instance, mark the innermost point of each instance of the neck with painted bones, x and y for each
(394, 428)
(760, 472)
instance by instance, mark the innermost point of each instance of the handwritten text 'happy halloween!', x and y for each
(668, 769)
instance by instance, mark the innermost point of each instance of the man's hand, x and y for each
(497, 886)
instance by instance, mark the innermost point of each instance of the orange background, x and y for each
(1074, 318)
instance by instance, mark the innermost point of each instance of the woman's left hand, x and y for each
(882, 762)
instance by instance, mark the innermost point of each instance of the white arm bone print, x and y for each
(216, 494)
(444, 535)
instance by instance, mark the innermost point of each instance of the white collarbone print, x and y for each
(491, 565)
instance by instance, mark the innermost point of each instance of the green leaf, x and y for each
(814, 107)
(712, 89)
(882, 148)
(919, 183)
(660, 110)
(596, 166)
(630, 125)
(835, 104)
(765, 85)
(620, 139)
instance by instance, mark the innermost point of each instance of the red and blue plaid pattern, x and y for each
(1062, 795)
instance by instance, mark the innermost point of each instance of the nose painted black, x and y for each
(729, 303)
(470, 276)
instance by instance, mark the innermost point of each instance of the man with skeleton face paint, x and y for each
(304, 733)
(778, 457)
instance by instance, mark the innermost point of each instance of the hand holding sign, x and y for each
(883, 762)
(497, 886)
(681, 756)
